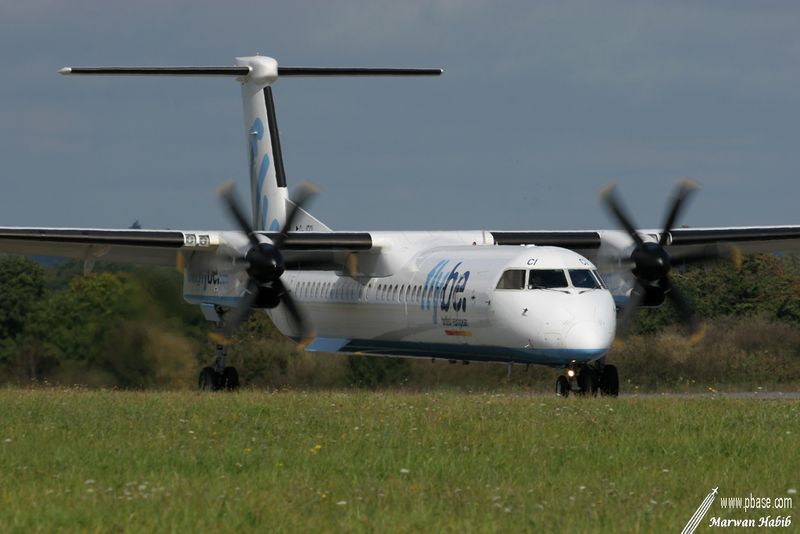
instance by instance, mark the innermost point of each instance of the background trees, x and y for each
(129, 327)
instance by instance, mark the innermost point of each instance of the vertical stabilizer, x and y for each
(267, 177)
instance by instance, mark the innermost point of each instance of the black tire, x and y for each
(209, 380)
(609, 381)
(562, 386)
(587, 382)
(230, 378)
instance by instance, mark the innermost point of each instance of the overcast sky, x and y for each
(541, 104)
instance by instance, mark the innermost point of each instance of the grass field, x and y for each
(296, 461)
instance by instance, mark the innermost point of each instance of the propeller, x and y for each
(651, 263)
(265, 264)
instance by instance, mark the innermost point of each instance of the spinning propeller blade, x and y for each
(265, 265)
(652, 263)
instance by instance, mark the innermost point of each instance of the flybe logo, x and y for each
(444, 289)
(258, 173)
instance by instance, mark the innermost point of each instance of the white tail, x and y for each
(267, 178)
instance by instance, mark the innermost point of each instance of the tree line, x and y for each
(129, 327)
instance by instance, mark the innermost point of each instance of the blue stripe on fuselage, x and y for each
(478, 353)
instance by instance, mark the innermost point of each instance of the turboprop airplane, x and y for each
(529, 297)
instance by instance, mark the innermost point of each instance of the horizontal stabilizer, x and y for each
(354, 71)
(244, 70)
(158, 71)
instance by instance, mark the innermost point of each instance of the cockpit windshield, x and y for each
(583, 279)
(546, 279)
(551, 279)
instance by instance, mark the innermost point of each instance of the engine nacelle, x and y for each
(654, 297)
(267, 298)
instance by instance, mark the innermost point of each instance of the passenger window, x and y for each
(547, 279)
(395, 292)
(512, 279)
(583, 279)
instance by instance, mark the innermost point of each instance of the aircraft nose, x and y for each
(589, 335)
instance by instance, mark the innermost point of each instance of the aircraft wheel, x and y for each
(587, 381)
(562, 386)
(230, 378)
(609, 381)
(209, 380)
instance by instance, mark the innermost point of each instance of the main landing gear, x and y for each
(589, 380)
(220, 375)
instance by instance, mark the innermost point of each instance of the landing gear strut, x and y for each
(220, 375)
(562, 386)
(589, 380)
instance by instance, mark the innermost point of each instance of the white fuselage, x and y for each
(444, 302)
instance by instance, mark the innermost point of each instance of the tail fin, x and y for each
(267, 175)
(257, 74)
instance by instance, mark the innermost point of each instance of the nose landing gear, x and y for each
(562, 386)
(589, 379)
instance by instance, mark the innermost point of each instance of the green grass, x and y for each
(292, 461)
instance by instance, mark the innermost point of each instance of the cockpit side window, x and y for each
(547, 279)
(600, 280)
(583, 279)
(512, 279)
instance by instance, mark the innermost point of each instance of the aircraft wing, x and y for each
(596, 243)
(162, 247)
(749, 239)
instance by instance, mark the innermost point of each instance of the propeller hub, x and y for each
(266, 263)
(652, 262)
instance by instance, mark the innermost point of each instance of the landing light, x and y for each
(570, 372)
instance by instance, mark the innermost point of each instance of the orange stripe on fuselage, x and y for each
(466, 333)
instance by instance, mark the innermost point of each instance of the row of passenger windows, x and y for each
(346, 291)
(404, 293)
(550, 279)
(350, 291)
